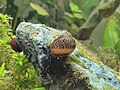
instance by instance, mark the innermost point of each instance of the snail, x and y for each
(15, 46)
(63, 45)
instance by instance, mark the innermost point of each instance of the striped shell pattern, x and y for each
(63, 45)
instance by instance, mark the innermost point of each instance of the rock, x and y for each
(80, 70)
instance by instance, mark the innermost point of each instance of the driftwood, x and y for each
(80, 70)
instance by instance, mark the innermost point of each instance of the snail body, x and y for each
(63, 45)
(15, 46)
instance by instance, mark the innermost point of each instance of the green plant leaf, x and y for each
(68, 14)
(87, 6)
(3, 41)
(78, 15)
(39, 9)
(110, 33)
(42, 88)
(2, 67)
(2, 70)
(74, 7)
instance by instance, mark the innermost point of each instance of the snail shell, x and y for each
(63, 45)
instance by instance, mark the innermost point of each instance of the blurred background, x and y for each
(94, 23)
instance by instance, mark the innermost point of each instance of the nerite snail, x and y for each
(63, 45)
